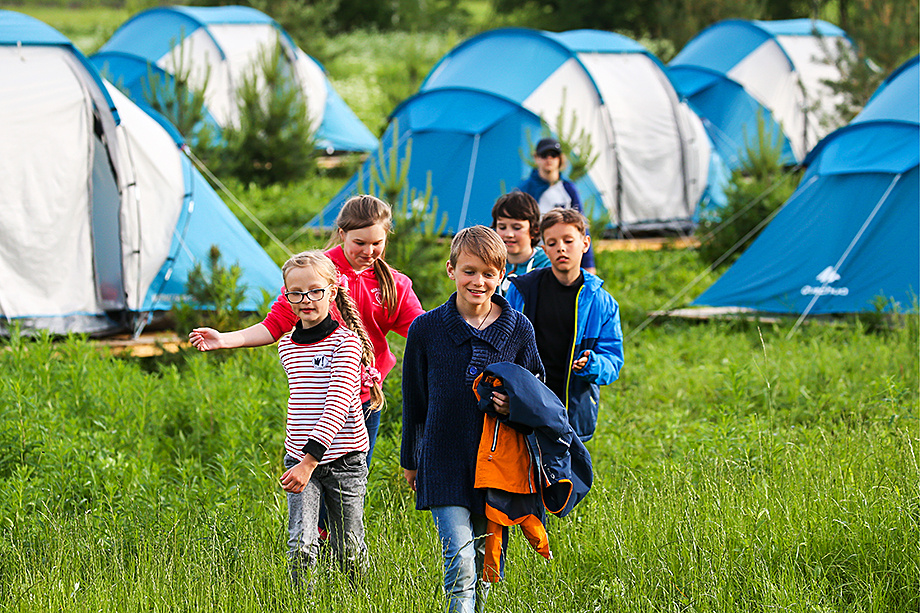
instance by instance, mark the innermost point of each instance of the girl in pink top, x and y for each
(383, 296)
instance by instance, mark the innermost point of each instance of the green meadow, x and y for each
(737, 468)
(739, 465)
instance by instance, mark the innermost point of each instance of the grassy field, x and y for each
(736, 470)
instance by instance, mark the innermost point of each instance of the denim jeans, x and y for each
(462, 536)
(341, 485)
(372, 423)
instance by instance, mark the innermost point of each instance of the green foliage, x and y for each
(859, 78)
(885, 36)
(273, 142)
(400, 80)
(754, 194)
(363, 69)
(214, 296)
(681, 20)
(885, 31)
(307, 23)
(735, 470)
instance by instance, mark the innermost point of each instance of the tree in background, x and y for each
(180, 98)
(756, 191)
(681, 20)
(885, 29)
(273, 142)
(886, 35)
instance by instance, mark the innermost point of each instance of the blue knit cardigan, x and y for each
(442, 423)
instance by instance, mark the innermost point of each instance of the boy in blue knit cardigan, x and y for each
(446, 349)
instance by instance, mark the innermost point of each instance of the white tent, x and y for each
(103, 216)
(472, 117)
(220, 46)
(735, 70)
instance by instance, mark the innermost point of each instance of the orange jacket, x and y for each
(505, 468)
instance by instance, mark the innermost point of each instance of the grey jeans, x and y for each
(341, 484)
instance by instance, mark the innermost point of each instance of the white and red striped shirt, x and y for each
(324, 404)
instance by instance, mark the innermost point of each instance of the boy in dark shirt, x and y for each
(577, 323)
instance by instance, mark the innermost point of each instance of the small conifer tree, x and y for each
(273, 142)
(755, 192)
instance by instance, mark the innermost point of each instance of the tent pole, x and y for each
(469, 183)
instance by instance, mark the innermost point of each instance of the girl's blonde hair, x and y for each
(324, 267)
(360, 212)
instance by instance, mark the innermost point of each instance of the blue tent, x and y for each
(736, 71)
(849, 233)
(478, 113)
(103, 215)
(223, 43)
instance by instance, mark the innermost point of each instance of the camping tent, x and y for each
(222, 45)
(103, 216)
(473, 123)
(736, 70)
(849, 233)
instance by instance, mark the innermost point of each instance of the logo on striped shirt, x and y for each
(321, 361)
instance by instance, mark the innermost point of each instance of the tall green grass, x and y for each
(735, 470)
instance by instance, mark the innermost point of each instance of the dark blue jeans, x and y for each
(372, 422)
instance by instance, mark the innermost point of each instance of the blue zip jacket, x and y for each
(597, 330)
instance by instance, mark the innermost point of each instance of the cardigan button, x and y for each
(472, 370)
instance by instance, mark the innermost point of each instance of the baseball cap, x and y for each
(548, 144)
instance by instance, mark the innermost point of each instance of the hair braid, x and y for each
(349, 313)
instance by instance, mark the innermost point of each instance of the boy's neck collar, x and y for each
(567, 279)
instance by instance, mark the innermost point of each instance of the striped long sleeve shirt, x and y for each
(324, 414)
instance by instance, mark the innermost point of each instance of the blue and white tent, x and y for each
(851, 231)
(736, 70)
(475, 119)
(103, 216)
(222, 44)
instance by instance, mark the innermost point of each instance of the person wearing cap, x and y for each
(550, 188)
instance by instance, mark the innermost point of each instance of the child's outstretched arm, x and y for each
(278, 321)
(208, 339)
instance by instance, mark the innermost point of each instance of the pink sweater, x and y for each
(365, 291)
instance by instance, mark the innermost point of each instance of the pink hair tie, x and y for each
(370, 376)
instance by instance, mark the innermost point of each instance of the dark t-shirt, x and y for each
(555, 329)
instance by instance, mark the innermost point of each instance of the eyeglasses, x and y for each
(311, 294)
(548, 154)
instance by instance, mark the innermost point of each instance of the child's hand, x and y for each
(205, 339)
(581, 362)
(410, 477)
(500, 403)
(296, 478)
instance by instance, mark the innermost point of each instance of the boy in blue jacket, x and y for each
(577, 323)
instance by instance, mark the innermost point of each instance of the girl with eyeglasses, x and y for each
(383, 297)
(326, 439)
